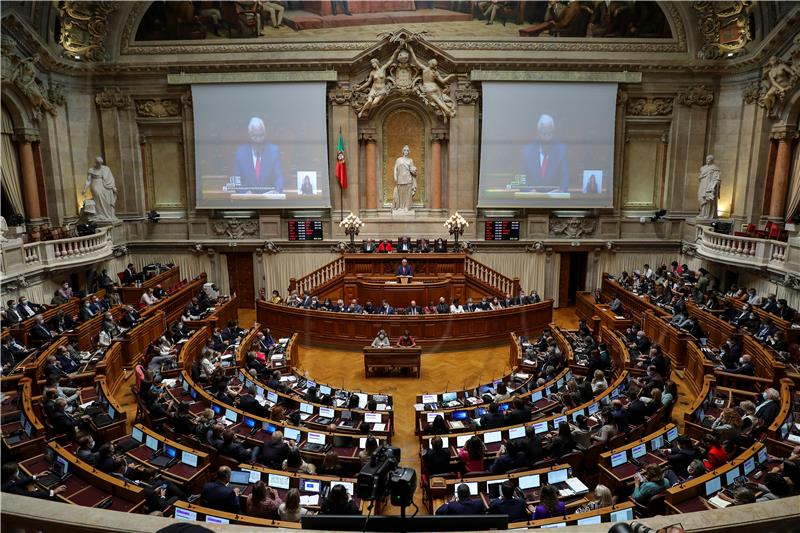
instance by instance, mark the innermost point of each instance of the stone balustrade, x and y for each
(29, 259)
(741, 250)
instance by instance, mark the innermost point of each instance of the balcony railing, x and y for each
(30, 258)
(741, 250)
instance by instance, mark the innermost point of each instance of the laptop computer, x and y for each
(59, 471)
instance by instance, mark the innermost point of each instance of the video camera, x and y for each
(382, 475)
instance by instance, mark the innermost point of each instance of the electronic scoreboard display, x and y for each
(502, 230)
(305, 230)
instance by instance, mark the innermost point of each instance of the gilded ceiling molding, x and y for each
(158, 108)
(725, 27)
(111, 97)
(650, 107)
(698, 95)
(84, 29)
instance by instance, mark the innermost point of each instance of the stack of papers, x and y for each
(381, 407)
(419, 406)
(309, 500)
(716, 501)
(379, 427)
(576, 485)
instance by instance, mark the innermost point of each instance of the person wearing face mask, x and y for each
(27, 309)
(85, 450)
(13, 482)
(87, 311)
(381, 340)
(745, 367)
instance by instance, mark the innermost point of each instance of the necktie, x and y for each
(258, 167)
(543, 167)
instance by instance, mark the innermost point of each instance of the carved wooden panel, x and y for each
(644, 166)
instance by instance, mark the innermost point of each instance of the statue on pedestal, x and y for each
(104, 191)
(405, 179)
(708, 192)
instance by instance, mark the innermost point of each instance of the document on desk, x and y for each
(419, 406)
(309, 500)
(169, 383)
(716, 501)
(577, 485)
(379, 427)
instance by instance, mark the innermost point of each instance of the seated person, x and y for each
(217, 495)
(462, 504)
(442, 307)
(549, 506)
(28, 309)
(233, 448)
(406, 340)
(413, 308)
(385, 308)
(338, 502)
(515, 508)
(472, 454)
(381, 340)
(40, 332)
(385, 246)
(649, 483)
(436, 460)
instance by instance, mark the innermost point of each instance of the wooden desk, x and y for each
(132, 294)
(222, 313)
(377, 359)
(789, 333)
(632, 304)
(175, 303)
(21, 330)
(446, 330)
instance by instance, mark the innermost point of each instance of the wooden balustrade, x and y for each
(21, 331)
(491, 278)
(718, 330)
(112, 367)
(616, 348)
(697, 368)
(84, 333)
(315, 281)
(632, 305)
(791, 334)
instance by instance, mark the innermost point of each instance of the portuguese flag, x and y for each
(341, 163)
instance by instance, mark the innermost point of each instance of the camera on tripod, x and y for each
(382, 476)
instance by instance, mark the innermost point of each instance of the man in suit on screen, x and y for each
(258, 163)
(544, 161)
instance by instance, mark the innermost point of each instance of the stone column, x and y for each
(438, 138)
(343, 118)
(30, 183)
(463, 152)
(780, 179)
(370, 168)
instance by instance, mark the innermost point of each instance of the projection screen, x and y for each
(548, 145)
(261, 145)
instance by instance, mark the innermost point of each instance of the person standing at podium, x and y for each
(406, 340)
(405, 269)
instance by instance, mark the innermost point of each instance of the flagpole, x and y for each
(341, 191)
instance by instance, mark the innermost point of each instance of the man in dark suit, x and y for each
(62, 322)
(386, 309)
(258, 163)
(12, 353)
(11, 315)
(231, 448)
(63, 422)
(129, 275)
(15, 483)
(405, 269)
(436, 459)
(515, 508)
(27, 309)
(745, 367)
(442, 306)
(249, 404)
(41, 332)
(273, 451)
(544, 162)
(767, 410)
(217, 495)
(413, 308)
(87, 310)
(462, 505)
(493, 418)
(680, 456)
(637, 410)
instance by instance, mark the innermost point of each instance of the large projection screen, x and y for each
(261, 145)
(547, 145)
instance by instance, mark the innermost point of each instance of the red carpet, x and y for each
(304, 20)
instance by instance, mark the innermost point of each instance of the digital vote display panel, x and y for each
(501, 230)
(305, 230)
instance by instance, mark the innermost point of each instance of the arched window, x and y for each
(11, 175)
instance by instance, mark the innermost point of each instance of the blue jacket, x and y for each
(219, 497)
(461, 507)
(271, 173)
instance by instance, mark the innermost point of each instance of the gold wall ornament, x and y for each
(158, 108)
(650, 107)
(84, 29)
(725, 27)
(698, 95)
(778, 77)
(112, 97)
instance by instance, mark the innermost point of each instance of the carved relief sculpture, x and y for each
(158, 108)
(572, 227)
(431, 91)
(650, 107)
(778, 77)
(708, 190)
(376, 81)
(698, 95)
(234, 229)
(24, 78)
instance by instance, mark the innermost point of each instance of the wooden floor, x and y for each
(441, 371)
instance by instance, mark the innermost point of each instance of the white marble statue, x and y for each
(405, 179)
(708, 191)
(104, 191)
